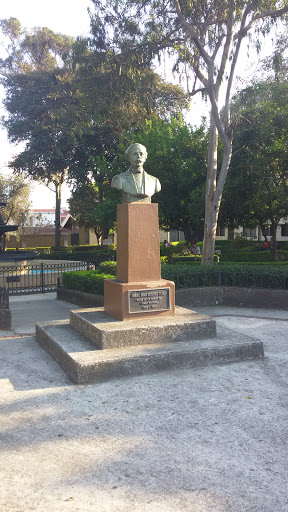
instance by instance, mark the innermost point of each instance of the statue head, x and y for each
(136, 154)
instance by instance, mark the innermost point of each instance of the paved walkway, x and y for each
(212, 439)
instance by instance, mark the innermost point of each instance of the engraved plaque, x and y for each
(143, 301)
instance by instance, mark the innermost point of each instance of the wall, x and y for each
(36, 241)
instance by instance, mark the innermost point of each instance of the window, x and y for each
(249, 232)
(220, 231)
(267, 231)
(284, 229)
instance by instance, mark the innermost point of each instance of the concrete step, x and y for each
(107, 332)
(86, 364)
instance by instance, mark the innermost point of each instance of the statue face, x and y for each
(137, 156)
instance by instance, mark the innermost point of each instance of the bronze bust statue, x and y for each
(136, 184)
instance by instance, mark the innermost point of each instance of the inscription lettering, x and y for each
(145, 300)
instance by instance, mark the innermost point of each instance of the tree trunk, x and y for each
(231, 232)
(58, 215)
(214, 190)
(210, 224)
(274, 243)
(4, 242)
(105, 233)
(98, 235)
(192, 235)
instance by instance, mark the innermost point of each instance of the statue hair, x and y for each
(128, 150)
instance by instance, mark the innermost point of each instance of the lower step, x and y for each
(86, 364)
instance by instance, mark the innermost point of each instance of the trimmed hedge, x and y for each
(92, 257)
(89, 281)
(257, 256)
(192, 276)
(250, 276)
(76, 252)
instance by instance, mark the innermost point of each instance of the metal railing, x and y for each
(39, 277)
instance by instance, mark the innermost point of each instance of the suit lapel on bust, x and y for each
(130, 179)
(145, 181)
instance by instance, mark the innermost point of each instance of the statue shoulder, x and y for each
(151, 179)
(116, 181)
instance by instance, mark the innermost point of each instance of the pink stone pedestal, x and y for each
(138, 264)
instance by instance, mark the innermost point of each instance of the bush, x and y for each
(250, 276)
(108, 267)
(85, 248)
(175, 248)
(195, 258)
(192, 276)
(95, 257)
(89, 281)
(257, 256)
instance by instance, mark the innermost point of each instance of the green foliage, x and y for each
(164, 260)
(177, 157)
(40, 105)
(204, 37)
(118, 93)
(258, 256)
(273, 276)
(250, 276)
(15, 191)
(108, 267)
(39, 49)
(257, 188)
(91, 207)
(91, 281)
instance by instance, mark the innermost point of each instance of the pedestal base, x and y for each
(139, 299)
(186, 340)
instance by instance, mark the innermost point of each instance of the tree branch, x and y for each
(260, 15)
(189, 28)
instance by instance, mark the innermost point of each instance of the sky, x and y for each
(71, 17)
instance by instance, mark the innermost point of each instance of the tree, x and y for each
(177, 157)
(42, 49)
(71, 117)
(15, 192)
(206, 38)
(91, 212)
(38, 101)
(116, 95)
(38, 115)
(257, 188)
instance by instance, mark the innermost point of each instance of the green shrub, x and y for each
(237, 245)
(257, 256)
(242, 257)
(191, 276)
(175, 248)
(283, 255)
(85, 248)
(108, 267)
(186, 259)
(90, 281)
(251, 276)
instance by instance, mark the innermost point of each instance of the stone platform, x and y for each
(92, 347)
